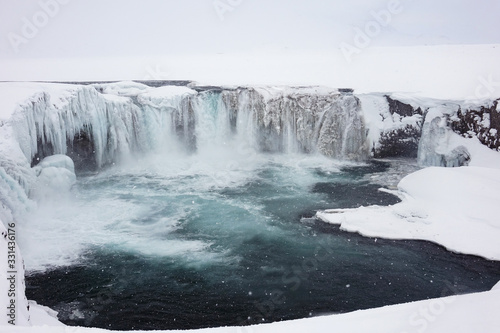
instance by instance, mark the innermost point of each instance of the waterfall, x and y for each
(98, 125)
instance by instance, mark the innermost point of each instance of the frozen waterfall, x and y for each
(99, 124)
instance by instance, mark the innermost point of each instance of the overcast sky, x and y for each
(91, 28)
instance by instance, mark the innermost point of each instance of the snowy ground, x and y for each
(452, 207)
(446, 71)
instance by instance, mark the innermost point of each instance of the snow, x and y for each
(12, 94)
(165, 97)
(454, 207)
(43, 315)
(58, 161)
(439, 144)
(12, 277)
(378, 118)
(444, 71)
(123, 88)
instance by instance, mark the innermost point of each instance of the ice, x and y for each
(434, 147)
(14, 201)
(123, 88)
(440, 146)
(120, 119)
(55, 177)
(117, 120)
(294, 119)
(124, 119)
(58, 161)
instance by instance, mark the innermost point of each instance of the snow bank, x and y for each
(454, 207)
(122, 88)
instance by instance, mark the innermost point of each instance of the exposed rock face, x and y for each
(482, 122)
(404, 110)
(402, 141)
(394, 126)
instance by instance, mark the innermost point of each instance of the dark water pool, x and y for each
(178, 251)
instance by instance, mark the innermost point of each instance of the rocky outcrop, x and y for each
(482, 122)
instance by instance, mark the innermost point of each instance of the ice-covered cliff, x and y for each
(436, 132)
(96, 125)
(100, 124)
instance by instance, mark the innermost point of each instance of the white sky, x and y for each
(97, 28)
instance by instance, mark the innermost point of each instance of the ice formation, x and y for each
(97, 125)
(55, 176)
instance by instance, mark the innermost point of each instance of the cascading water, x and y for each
(193, 209)
(117, 122)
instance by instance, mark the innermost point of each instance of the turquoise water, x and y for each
(198, 241)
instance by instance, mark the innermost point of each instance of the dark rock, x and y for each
(82, 151)
(483, 123)
(402, 142)
(405, 110)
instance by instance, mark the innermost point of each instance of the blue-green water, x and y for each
(198, 242)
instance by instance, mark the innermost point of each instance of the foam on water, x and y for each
(147, 207)
(175, 244)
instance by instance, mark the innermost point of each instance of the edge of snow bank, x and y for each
(454, 207)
